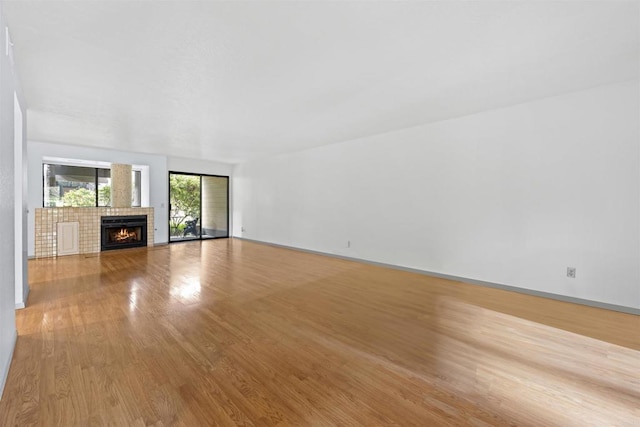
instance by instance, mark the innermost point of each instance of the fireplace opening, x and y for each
(119, 232)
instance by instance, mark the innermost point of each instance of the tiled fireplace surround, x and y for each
(89, 227)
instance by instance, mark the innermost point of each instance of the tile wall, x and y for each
(89, 227)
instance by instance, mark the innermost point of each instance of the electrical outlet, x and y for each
(571, 272)
(348, 243)
(242, 229)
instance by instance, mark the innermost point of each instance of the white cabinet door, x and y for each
(68, 239)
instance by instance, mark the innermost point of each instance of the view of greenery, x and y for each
(104, 195)
(79, 197)
(82, 197)
(185, 201)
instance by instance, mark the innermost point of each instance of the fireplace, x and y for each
(119, 232)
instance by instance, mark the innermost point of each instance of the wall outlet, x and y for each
(348, 243)
(242, 229)
(571, 272)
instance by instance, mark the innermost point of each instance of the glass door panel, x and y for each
(184, 207)
(215, 206)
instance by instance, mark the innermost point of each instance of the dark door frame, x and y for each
(199, 237)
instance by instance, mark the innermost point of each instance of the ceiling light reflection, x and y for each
(189, 289)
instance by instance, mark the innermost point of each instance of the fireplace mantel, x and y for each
(89, 220)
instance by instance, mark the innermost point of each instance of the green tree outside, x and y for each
(185, 201)
(79, 197)
(104, 195)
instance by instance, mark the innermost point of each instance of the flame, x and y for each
(125, 235)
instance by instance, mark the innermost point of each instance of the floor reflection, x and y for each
(533, 372)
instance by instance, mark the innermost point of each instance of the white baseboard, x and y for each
(565, 298)
(22, 304)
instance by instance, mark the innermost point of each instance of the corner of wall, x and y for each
(7, 364)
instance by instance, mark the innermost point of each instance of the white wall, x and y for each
(7, 209)
(510, 196)
(158, 185)
(21, 206)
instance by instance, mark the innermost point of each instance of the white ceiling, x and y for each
(232, 81)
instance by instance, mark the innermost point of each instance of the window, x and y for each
(104, 187)
(79, 186)
(136, 188)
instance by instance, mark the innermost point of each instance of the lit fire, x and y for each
(124, 235)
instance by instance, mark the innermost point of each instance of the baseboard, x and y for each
(591, 303)
(27, 289)
(20, 305)
(7, 363)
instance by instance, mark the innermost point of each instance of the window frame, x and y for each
(96, 177)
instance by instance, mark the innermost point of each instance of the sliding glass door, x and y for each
(198, 206)
(215, 206)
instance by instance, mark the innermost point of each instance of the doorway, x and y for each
(198, 206)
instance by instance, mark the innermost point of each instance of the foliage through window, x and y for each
(79, 186)
(185, 201)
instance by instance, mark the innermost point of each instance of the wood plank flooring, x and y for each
(229, 332)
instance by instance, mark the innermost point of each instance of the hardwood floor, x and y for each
(229, 332)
